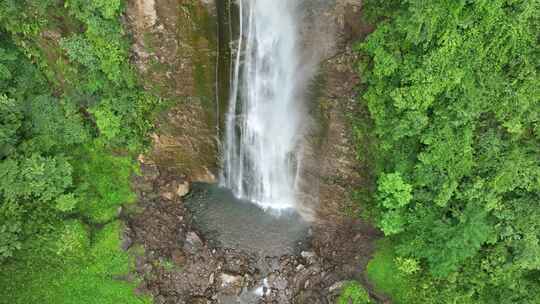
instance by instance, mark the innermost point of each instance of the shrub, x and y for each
(353, 293)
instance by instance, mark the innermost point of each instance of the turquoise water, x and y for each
(232, 223)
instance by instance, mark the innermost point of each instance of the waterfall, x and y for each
(261, 154)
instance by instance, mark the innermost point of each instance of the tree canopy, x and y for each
(72, 117)
(452, 87)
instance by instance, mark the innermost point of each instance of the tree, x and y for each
(10, 123)
(393, 196)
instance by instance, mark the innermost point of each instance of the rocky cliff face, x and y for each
(175, 50)
(331, 27)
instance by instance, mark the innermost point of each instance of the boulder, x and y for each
(231, 283)
(182, 189)
(193, 242)
(228, 279)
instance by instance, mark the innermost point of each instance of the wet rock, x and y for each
(228, 279)
(308, 255)
(193, 242)
(174, 189)
(205, 176)
(167, 195)
(230, 283)
(272, 263)
(182, 189)
(237, 263)
(278, 282)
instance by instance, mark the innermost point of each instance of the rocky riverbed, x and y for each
(178, 264)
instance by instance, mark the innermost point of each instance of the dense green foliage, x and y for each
(353, 293)
(384, 273)
(452, 87)
(69, 267)
(71, 118)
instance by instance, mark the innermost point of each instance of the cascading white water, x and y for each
(261, 156)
